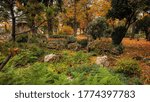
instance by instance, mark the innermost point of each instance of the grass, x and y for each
(75, 67)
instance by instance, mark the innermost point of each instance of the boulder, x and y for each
(102, 61)
(52, 57)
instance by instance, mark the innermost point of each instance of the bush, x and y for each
(37, 74)
(93, 75)
(97, 27)
(100, 47)
(71, 39)
(2, 57)
(22, 59)
(128, 67)
(57, 36)
(22, 38)
(67, 30)
(108, 32)
(36, 50)
(117, 49)
(83, 43)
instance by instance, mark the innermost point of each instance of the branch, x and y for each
(5, 61)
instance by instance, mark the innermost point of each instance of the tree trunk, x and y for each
(50, 25)
(148, 36)
(33, 27)
(75, 18)
(50, 19)
(118, 35)
(13, 33)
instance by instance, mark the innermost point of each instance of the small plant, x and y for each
(22, 59)
(128, 67)
(71, 39)
(66, 30)
(117, 49)
(22, 38)
(93, 75)
(83, 43)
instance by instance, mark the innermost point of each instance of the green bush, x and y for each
(22, 59)
(37, 74)
(97, 27)
(36, 50)
(100, 47)
(83, 43)
(117, 49)
(93, 75)
(2, 57)
(22, 38)
(71, 39)
(108, 32)
(57, 36)
(79, 58)
(128, 67)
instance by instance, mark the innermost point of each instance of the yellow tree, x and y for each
(86, 11)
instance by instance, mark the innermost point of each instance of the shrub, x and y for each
(93, 75)
(5, 46)
(83, 43)
(71, 39)
(128, 67)
(108, 32)
(67, 30)
(36, 50)
(100, 47)
(57, 36)
(80, 57)
(2, 58)
(97, 27)
(117, 49)
(22, 38)
(22, 59)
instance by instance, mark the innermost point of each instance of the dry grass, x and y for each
(138, 48)
(133, 48)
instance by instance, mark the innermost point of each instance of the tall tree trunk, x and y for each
(33, 27)
(50, 19)
(118, 35)
(13, 33)
(147, 36)
(50, 25)
(75, 18)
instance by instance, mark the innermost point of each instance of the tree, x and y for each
(83, 12)
(144, 25)
(8, 12)
(52, 7)
(125, 9)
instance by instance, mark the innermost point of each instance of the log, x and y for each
(5, 61)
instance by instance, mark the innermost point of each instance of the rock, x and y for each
(74, 46)
(52, 57)
(102, 60)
